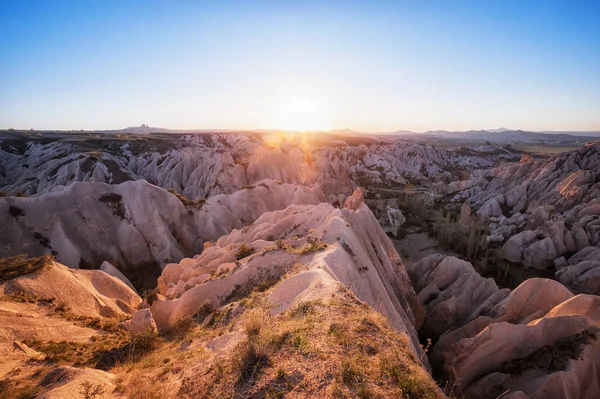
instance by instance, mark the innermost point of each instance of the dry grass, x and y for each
(338, 349)
(25, 386)
(21, 265)
(311, 245)
(186, 201)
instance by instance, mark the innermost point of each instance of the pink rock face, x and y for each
(537, 341)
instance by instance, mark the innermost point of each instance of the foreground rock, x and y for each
(536, 341)
(45, 305)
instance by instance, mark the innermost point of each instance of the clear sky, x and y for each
(362, 65)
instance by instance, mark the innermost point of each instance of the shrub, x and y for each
(142, 344)
(243, 252)
(204, 310)
(303, 309)
(348, 248)
(110, 197)
(91, 391)
(150, 295)
(251, 358)
(15, 211)
(351, 376)
(312, 245)
(114, 203)
(182, 327)
(140, 386)
(21, 265)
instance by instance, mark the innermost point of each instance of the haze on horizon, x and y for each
(365, 66)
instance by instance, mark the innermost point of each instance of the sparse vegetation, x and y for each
(348, 248)
(312, 245)
(317, 349)
(186, 201)
(110, 197)
(22, 265)
(243, 252)
(15, 211)
(553, 358)
(150, 295)
(91, 391)
(114, 202)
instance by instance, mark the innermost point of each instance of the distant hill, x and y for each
(144, 129)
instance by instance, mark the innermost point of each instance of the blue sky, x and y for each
(363, 65)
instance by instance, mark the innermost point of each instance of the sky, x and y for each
(374, 66)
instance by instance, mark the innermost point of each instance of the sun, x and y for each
(302, 114)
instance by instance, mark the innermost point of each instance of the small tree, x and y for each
(91, 391)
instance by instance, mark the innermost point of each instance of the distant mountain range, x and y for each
(499, 135)
(507, 135)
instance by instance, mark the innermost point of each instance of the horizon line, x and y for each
(275, 130)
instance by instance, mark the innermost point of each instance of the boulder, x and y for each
(490, 209)
(580, 237)
(353, 202)
(540, 254)
(109, 269)
(513, 249)
(141, 322)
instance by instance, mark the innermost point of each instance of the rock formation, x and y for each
(536, 341)
(135, 226)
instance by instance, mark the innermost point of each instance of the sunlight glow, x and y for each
(302, 114)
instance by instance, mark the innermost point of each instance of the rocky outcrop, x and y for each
(336, 246)
(551, 210)
(523, 343)
(582, 271)
(141, 322)
(564, 181)
(88, 293)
